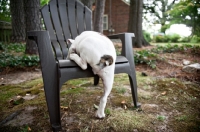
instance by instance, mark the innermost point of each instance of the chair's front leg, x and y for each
(50, 76)
(127, 51)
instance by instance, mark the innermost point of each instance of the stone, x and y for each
(186, 62)
(192, 68)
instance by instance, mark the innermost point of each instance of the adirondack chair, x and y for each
(66, 19)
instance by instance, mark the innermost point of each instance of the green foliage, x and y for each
(185, 39)
(186, 12)
(147, 36)
(16, 47)
(174, 38)
(161, 118)
(5, 10)
(167, 38)
(195, 39)
(150, 57)
(44, 2)
(160, 38)
(170, 48)
(165, 27)
(9, 59)
(145, 57)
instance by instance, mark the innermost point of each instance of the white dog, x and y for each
(98, 51)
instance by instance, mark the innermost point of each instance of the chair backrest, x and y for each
(65, 19)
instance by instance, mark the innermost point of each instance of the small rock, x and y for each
(144, 74)
(29, 97)
(193, 68)
(186, 62)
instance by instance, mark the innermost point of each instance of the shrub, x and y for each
(147, 36)
(159, 38)
(174, 38)
(167, 38)
(185, 39)
(145, 57)
(8, 59)
(195, 39)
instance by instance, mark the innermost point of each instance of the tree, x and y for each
(17, 19)
(135, 23)
(33, 22)
(5, 10)
(98, 15)
(160, 10)
(88, 3)
(188, 13)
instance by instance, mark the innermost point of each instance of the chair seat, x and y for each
(68, 63)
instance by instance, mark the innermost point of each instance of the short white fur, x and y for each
(88, 48)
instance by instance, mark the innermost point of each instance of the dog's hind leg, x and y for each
(79, 61)
(107, 78)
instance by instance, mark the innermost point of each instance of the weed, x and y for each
(145, 57)
(9, 58)
(181, 118)
(121, 90)
(107, 111)
(161, 118)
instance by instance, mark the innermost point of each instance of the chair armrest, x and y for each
(126, 39)
(127, 48)
(34, 34)
(47, 59)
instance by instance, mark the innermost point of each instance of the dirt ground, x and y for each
(170, 101)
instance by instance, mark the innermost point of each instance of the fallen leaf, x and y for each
(163, 93)
(29, 129)
(64, 107)
(123, 102)
(124, 105)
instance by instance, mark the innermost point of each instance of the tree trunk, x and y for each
(98, 15)
(17, 19)
(33, 22)
(88, 3)
(135, 23)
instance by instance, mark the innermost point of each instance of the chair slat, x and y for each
(57, 49)
(55, 19)
(72, 20)
(58, 27)
(48, 22)
(88, 19)
(64, 19)
(79, 16)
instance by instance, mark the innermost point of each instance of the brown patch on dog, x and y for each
(105, 60)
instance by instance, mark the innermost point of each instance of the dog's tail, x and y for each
(105, 60)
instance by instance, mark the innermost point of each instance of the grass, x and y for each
(163, 44)
(80, 96)
(170, 103)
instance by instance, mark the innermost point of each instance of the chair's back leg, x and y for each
(96, 80)
(133, 83)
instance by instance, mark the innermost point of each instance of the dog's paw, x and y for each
(99, 114)
(73, 56)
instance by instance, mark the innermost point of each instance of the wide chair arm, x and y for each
(127, 48)
(43, 42)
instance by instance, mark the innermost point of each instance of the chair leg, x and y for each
(96, 80)
(133, 84)
(52, 93)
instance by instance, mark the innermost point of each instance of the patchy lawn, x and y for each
(170, 101)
